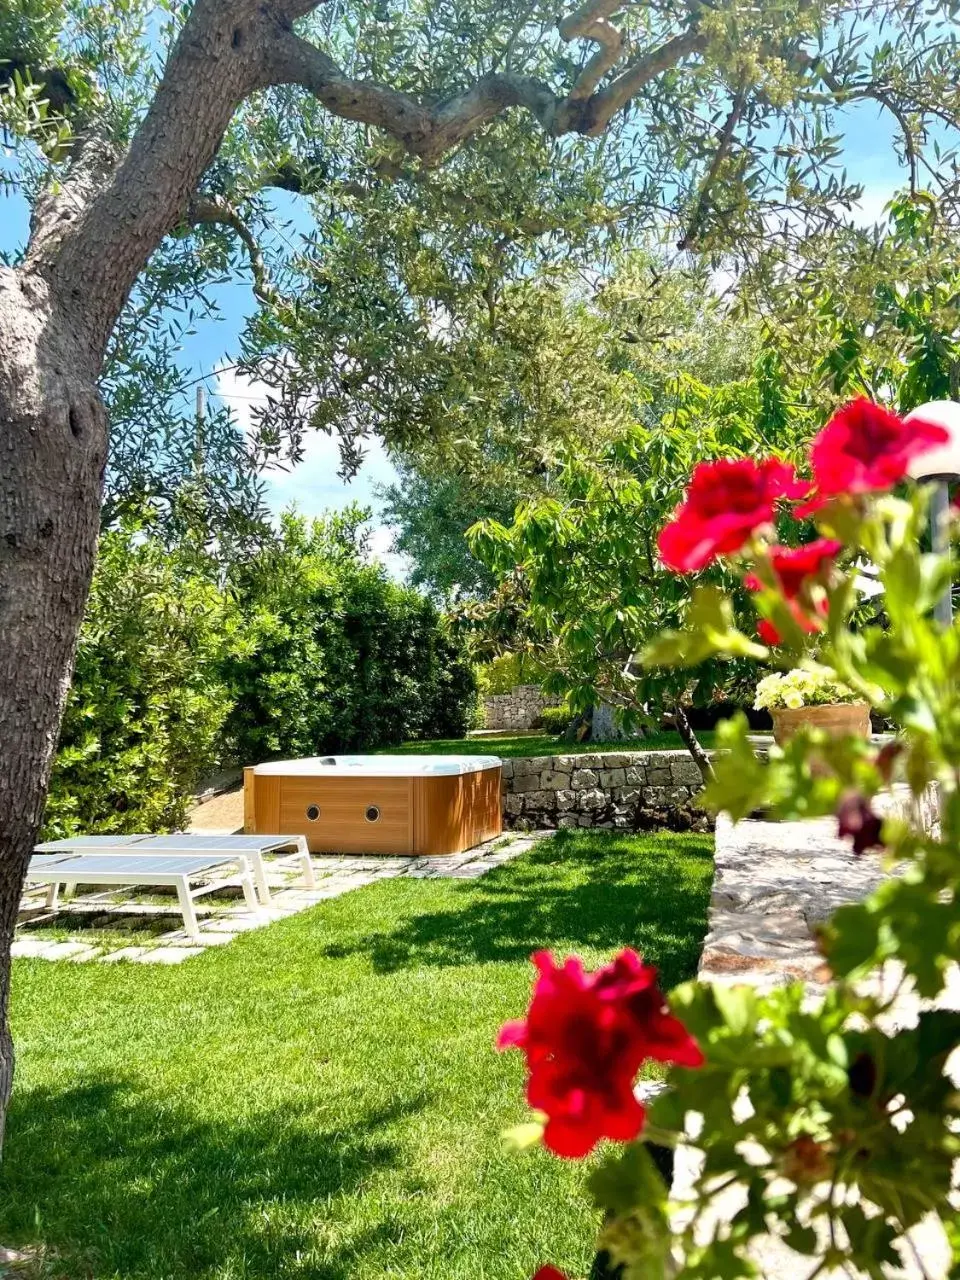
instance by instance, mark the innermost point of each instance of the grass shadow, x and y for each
(116, 1183)
(577, 890)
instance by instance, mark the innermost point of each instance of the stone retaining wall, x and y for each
(518, 709)
(631, 790)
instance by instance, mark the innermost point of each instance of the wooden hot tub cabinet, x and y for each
(343, 808)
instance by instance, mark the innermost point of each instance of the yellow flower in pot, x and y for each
(807, 698)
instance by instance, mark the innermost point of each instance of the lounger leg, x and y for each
(260, 876)
(248, 894)
(309, 879)
(53, 897)
(190, 926)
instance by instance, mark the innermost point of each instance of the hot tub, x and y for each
(377, 804)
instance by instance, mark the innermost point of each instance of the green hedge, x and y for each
(304, 648)
(555, 719)
(337, 657)
(146, 710)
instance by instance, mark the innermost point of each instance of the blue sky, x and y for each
(314, 485)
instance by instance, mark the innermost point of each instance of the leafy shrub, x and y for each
(504, 673)
(146, 709)
(555, 719)
(334, 656)
(307, 648)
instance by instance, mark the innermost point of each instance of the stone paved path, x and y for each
(336, 875)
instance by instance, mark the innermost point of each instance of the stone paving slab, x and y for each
(337, 875)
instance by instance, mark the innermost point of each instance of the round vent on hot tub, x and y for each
(313, 812)
(372, 814)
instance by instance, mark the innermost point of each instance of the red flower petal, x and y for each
(513, 1035)
(793, 567)
(585, 1037)
(865, 448)
(549, 1273)
(726, 501)
(768, 633)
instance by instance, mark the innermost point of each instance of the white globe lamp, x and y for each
(939, 467)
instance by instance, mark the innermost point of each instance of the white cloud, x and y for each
(313, 484)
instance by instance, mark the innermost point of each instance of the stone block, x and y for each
(567, 820)
(665, 795)
(660, 777)
(526, 782)
(522, 768)
(512, 806)
(539, 801)
(592, 799)
(583, 779)
(554, 780)
(585, 820)
(506, 769)
(635, 776)
(628, 796)
(686, 773)
(566, 799)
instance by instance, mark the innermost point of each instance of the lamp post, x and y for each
(938, 467)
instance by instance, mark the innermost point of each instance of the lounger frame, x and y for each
(86, 868)
(184, 844)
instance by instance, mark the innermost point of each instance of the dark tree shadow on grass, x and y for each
(596, 891)
(110, 1182)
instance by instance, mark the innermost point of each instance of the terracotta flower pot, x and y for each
(836, 718)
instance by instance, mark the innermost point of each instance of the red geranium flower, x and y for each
(865, 448)
(724, 503)
(549, 1273)
(585, 1037)
(769, 634)
(793, 568)
(858, 823)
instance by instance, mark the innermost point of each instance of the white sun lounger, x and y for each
(251, 847)
(137, 869)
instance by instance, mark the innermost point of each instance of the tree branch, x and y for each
(603, 106)
(429, 132)
(424, 131)
(689, 239)
(211, 69)
(592, 22)
(229, 49)
(208, 210)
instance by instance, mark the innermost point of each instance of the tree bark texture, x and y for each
(53, 442)
(692, 742)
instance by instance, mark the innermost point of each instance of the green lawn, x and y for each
(321, 1097)
(510, 745)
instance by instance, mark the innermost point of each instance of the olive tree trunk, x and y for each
(52, 453)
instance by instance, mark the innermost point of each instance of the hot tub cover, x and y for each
(379, 766)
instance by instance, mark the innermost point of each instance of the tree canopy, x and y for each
(720, 128)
